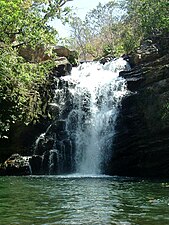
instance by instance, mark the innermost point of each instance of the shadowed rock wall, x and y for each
(141, 143)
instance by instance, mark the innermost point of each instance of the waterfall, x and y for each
(85, 106)
(97, 91)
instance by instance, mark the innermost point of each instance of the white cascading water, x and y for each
(97, 91)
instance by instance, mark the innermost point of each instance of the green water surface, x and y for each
(82, 200)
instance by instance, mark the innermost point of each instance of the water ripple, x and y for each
(82, 200)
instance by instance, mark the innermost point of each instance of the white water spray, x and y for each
(97, 92)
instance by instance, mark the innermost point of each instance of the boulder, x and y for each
(16, 165)
(42, 53)
(61, 51)
(106, 59)
(63, 68)
(39, 54)
(71, 55)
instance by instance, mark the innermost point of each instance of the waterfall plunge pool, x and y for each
(95, 200)
(82, 198)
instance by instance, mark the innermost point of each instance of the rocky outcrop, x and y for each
(21, 138)
(55, 147)
(106, 59)
(71, 55)
(141, 143)
(63, 67)
(53, 154)
(147, 52)
(42, 53)
(16, 165)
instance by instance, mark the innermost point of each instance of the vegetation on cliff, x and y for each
(117, 27)
(114, 28)
(25, 32)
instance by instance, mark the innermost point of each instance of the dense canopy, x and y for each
(24, 27)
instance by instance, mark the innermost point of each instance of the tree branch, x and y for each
(55, 8)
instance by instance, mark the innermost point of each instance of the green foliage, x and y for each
(104, 15)
(119, 26)
(107, 49)
(157, 16)
(150, 16)
(129, 39)
(20, 98)
(24, 23)
(73, 58)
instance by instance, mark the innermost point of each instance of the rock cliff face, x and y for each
(141, 144)
(22, 137)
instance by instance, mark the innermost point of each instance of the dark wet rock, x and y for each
(141, 142)
(63, 68)
(54, 162)
(43, 144)
(147, 52)
(106, 59)
(134, 78)
(36, 164)
(56, 149)
(58, 160)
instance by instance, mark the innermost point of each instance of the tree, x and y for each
(79, 34)
(151, 16)
(98, 30)
(24, 23)
(119, 26)
(143, 19)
